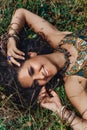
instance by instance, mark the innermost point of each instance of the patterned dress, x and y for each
(80, 66)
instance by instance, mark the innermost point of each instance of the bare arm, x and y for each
(75, 87)
(53, 103)
(38, 24)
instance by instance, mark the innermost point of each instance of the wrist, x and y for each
(13, 28)
(15, 36)
(58, 109)
(10, 32)
(11, 41)
(67, 116)
(12, 37)
(13, 31)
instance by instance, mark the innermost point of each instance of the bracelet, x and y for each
(71, 118)
(68, 117)
(15, 30)
(16, 37)
(3, 41)
(63, 109)
(14, 23)
(10, 27)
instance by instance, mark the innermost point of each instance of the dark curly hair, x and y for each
(23, 97)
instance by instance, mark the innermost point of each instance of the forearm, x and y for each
(75, 122)
(42, 27)
(17, 22)
(37, 24)
(78, 123)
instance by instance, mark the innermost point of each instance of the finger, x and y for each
(12, 60)
(42, 94)
(53, 93)
(19, 52)
(45, 103)
(43, 90)
(18, 56)
(41, 97)
(9, 62)
(13, 54)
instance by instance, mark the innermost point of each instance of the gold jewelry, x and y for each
(15, 30)
(63, 109)
(14, 36)
(67, 116)
(14, 23)
(71, 118)
(3, 42)
(11, 28)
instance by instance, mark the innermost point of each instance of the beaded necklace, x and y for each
(66, 55)
(61, 72)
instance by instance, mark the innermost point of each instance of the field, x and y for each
(68, 15)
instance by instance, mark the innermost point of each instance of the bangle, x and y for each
(71, 118)
(3, 41)
(67, 117)
(14, 23)
(10, 27)
(14, 36)
(63, 109)
(15, 30)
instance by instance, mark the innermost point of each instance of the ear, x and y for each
(32, 54)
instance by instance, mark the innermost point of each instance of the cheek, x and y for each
(25, 82)
(41, 82)
(44, 82)
(24, 78)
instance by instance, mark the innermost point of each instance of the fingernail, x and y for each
(19, 65)
(23, 58)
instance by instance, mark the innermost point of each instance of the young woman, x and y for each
(67, 62)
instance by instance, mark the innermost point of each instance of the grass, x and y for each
(65, 15)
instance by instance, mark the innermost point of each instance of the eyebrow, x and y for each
(31, 71)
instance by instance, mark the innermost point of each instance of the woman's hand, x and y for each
(52, 103)
(13, 53)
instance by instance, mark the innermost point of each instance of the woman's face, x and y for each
(39, 68)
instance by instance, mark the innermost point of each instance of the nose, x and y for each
(39, 75)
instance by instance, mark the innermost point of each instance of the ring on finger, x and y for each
(9, 57)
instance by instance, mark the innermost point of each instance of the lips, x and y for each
(46, 72)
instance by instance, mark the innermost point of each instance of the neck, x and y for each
(61, 60)
(58, 59)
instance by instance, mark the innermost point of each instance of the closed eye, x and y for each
(31, 71)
